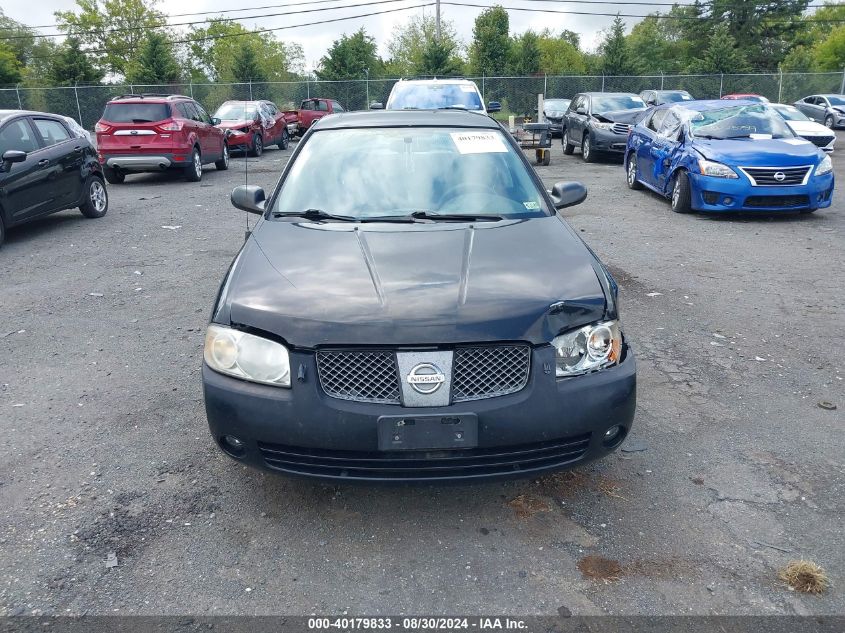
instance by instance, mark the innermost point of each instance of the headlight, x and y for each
(588, 348)
(602, 126)
(717, 170)
(246, 356)
(824, 167)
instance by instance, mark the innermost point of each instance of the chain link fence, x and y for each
(518, 95)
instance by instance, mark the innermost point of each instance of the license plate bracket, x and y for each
(427, 432)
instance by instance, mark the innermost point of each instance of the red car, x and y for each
(312, 109)
(746, 97)
(253, 125)
(153, 132)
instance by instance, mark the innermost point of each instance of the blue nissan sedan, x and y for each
(727, 156)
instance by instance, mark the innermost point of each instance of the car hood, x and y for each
(339, 284)
(809, 127)
(233, 125)
(619, 116)
(759, 152)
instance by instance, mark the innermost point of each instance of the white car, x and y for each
(798, 122)
(437, 94)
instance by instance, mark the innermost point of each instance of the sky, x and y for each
(315, 40)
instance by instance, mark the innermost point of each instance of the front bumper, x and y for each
(723, 194)
(549, 425)
(238, 139)
(608, 140)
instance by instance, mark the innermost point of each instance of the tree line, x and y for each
(127, 40)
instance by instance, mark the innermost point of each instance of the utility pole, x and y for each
(437, 20)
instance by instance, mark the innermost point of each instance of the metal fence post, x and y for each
(250, 89)
(662, 76)
(18, 91)
(780, 84)
(545, 85)
(78, 108)
(482, 86)
(191, 88)
(602, 83)
(721, 83)
(307, 87)
(842, 85)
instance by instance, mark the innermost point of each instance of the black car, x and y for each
(46, 168)
(553, 111)
(412, 307)
(598, 122)
(659, 97)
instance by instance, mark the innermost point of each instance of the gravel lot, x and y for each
(114, 499)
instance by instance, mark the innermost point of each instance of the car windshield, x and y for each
(739, 121)
(791, 113)
(434, 96)
(374, 172)
(236, 111)
(674, 97)
(556, 105)
(837, 101)
(136, 112)
(617, 102)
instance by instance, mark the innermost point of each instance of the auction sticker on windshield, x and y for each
(478, 142)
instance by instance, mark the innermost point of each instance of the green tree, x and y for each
(490, 48)
(116, 29)
(10, 66)
(722, 55)
(559, 56)
(653, 49)
(800, 59)
(245, 65)
(155, 62)
(351, 57)
(439, 59)
(614, 50)
(829, 54)
(409, 44)
(72, 66)
(525, 54)
(572, 37)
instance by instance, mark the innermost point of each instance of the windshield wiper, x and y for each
(315, 214)
(455, 217)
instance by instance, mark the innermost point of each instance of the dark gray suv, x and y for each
(598, 122)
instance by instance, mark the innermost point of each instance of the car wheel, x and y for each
(568, 147)
(193, 172)
(681, 199)
(587, 152)
(223, 163)
(283, 144)
(828, 121)
(257, 146)
(113, 177)
(631, 173)
(96, 201)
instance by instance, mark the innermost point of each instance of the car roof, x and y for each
(709, 104)
(407, 118)
(7, 114)
(829, 94)
(447, 80)
(147, 98)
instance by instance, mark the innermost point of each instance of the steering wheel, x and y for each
(463, 189)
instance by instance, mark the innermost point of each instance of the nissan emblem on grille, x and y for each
(426, 378)
(780, 176)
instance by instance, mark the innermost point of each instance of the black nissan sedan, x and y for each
(412, 307)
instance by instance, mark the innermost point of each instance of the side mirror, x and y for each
(376, 105)
(651, 102)
(494, 106)
(249, 198)
(12, 156)
(215, 121)
(581, 110)
(568, 194)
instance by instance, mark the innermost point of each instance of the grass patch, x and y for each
(805, 576)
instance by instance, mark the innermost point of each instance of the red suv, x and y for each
(145, 133)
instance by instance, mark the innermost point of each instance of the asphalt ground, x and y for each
(114, 499)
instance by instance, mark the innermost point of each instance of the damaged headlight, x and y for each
(588, 348)
(824, 167)
(246, 356)
(601, 125)
(717, 170)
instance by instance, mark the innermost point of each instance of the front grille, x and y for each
(820, 141)
(621, 128)
(766, 176)
(363, 376)
(428, 465)
(784, 202)
(485, 372)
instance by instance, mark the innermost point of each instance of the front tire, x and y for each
(587, 152)
(257, 148)
(568, 147)
(631, 173)
(681, 194)
(193, 172)
(283, 144)
(96, 201)
(223, 163)
(828, 121)
(113, 177)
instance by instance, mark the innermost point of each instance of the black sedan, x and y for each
(599, 122)
(411, 306)
(46, 167)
